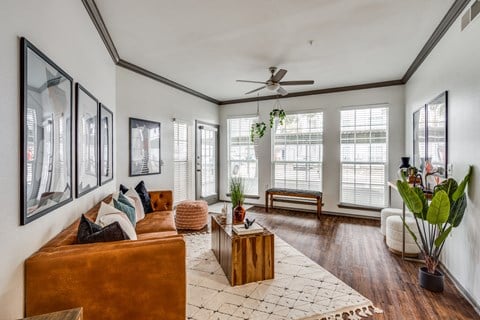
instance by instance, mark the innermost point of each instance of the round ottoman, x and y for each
(191, 215)
(388, 212)
(394, 232)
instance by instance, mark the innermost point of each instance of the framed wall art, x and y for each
(46, 134)
(106, 144)
(144, 147)
(86, 141)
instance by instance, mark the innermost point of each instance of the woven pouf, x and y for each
(387, 212)
(191, 215)
(394, 231)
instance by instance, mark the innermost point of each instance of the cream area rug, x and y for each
(301, 289)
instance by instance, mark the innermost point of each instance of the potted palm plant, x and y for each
(237, 195)
(435, 221)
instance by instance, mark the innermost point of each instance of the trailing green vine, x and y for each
(280, 113)
(257, 130)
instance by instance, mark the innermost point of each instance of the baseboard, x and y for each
(330, 213)
(460, 288)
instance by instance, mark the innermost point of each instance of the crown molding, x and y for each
(318, 91)
(97, 20)
(132, 67)
(447, 21)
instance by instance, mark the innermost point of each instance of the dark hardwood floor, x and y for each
(353, 250)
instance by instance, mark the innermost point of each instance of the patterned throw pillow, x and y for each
(125, 206)
(89, 232)
(108, 215)
(123, 189)
(139, 210)
(144, 196)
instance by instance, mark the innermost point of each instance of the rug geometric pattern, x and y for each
(301, 289)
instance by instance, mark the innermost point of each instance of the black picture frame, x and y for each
(86, 142)
(105, 144)
(46, 98)
(144, 156)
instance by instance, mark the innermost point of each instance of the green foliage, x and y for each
(280, 113)
(237, 191)
(435, 221)
(439, 209)
(410, 197)
(257, 130)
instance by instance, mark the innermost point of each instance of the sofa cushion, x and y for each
(89, 232)
(139, 211)
(156, 235)
(157, 221)
(126, 208)
(108, 215)
(144, 196)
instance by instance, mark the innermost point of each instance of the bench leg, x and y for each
(319, 207)
(266, 201)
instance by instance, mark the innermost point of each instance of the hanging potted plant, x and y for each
(277, 114)
(435, 221)
(237, 195)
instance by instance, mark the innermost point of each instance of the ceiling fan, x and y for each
(274, 83)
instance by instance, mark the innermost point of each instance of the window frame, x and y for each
(188, 161)
(343, 204)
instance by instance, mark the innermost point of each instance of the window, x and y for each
(180, 159)
(298, 152)
(242, 161)
(363, 156)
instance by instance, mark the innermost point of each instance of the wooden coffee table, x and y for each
(245, 258)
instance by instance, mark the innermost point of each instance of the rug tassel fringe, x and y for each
(358, 313)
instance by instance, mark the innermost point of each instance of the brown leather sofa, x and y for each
(139, 279)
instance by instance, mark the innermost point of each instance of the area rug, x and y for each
(301, 289)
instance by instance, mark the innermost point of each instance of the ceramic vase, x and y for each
(238, 214)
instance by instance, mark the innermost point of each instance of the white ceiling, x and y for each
(206, 45)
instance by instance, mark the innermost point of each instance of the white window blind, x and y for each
(180, 159)
(364, 149)
(298, 152)
(241, 155)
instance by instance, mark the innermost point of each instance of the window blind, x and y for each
(242, 161)
(298, 152)
(363, 156)
(181, 160)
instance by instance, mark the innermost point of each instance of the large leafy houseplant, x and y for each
(435, 220)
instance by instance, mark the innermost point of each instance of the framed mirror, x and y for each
(106, 144)
(419, 138)
(144, 147)
(430, 137)
(46, 134)
(87, 141)
(437, 134)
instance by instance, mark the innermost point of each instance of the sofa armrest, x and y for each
(161, 200)
(144, 279)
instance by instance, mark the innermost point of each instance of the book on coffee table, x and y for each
(253, 229)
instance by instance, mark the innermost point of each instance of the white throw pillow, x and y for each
(108, 215)
(139, 211)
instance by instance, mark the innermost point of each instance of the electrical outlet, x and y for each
(449, 169)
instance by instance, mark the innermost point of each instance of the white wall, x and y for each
(144, 98)
(454, 65)
(64, 32)
(330, 104)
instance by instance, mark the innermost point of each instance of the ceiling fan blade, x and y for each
(279, 75)
(282, 91)
(249, 81)
(255, 90)
(296, 83)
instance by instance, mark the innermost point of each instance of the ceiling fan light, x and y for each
(273, 86)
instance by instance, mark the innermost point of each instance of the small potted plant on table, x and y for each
(435, 221)
(237, 195)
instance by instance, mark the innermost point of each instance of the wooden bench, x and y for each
(283, 192)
